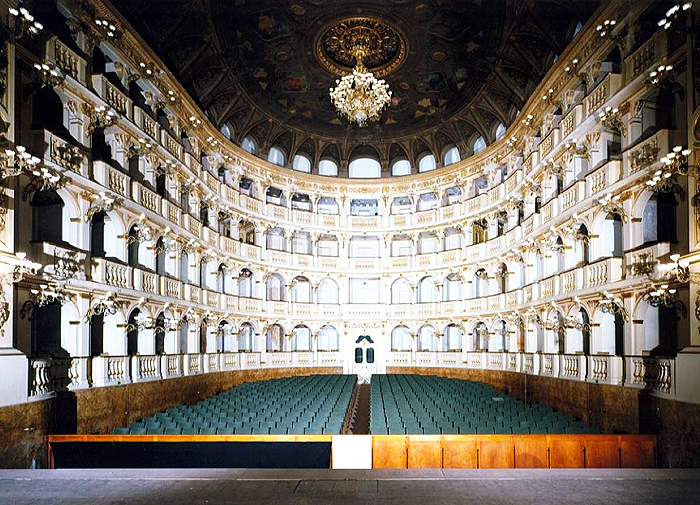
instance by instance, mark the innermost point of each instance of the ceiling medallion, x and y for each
(361, 43)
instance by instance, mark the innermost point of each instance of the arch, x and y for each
(428, 290)
(275, 287)
(450, 156)
(400, 168)
(452, 238)
(246, 283)
(249, 144)
(480, 283)
(328, 338)
(500, 131)
(328, 167)
(224, 336)
(452, 287)
(478, 145)
(301, 163)
(301, 338)
(401, 291)
(452, 337)
(427, 338)
(132, 333)
(247, 337)
(497, 341)
(301, 290)
(401, 339)
(47, 216)
(480, 337)
(327, 291)
(274, 338)
(277, 156)
(426, 162)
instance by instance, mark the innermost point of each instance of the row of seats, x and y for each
(298, 405)
(419, 404)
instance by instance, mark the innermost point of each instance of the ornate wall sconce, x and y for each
(574, 323)
(142, 322)
(678, 271)
(140, 148)
(606, 29)
(657, 76)
(22, 267)
(573, 147)
(108, 28)
(673, 14)
(49, 75)
(105, 305)
(100, 117)
(44, 295)
(43, 179)
(16, 160)
(167, 244)
(24, 23)
(141, 232)
(614, 306)
(611, 205)
(611, 119)
(100, 202)
(169, 324)
(663, 296)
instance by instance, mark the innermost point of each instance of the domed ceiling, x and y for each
(263, 68)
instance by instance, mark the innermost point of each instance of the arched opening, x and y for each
(659, 218)
(132, 333)
(246, 281)
(426, 163)
(451, 156)
(328, 339)
(97, 235)
(96, 334)
(301, 338)
(400, 168)
(46, 330)
(47, 217)
(301, 290)
(427, 339)
(401, 339)
(452, 288)
(275, 288)
(401, 291)
(276, 156)
(327, 292)
(480, 337)
(246, 338)
(480, 283)
(185, 267)
(133, 247)
(452, 338)
(497, 340)
(183, 335)
(274, 338)
(159, 334)
(203, 340)
(428, 290)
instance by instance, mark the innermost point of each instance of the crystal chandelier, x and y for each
(360, 96)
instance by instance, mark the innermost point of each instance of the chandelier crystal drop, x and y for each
(360, 96)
